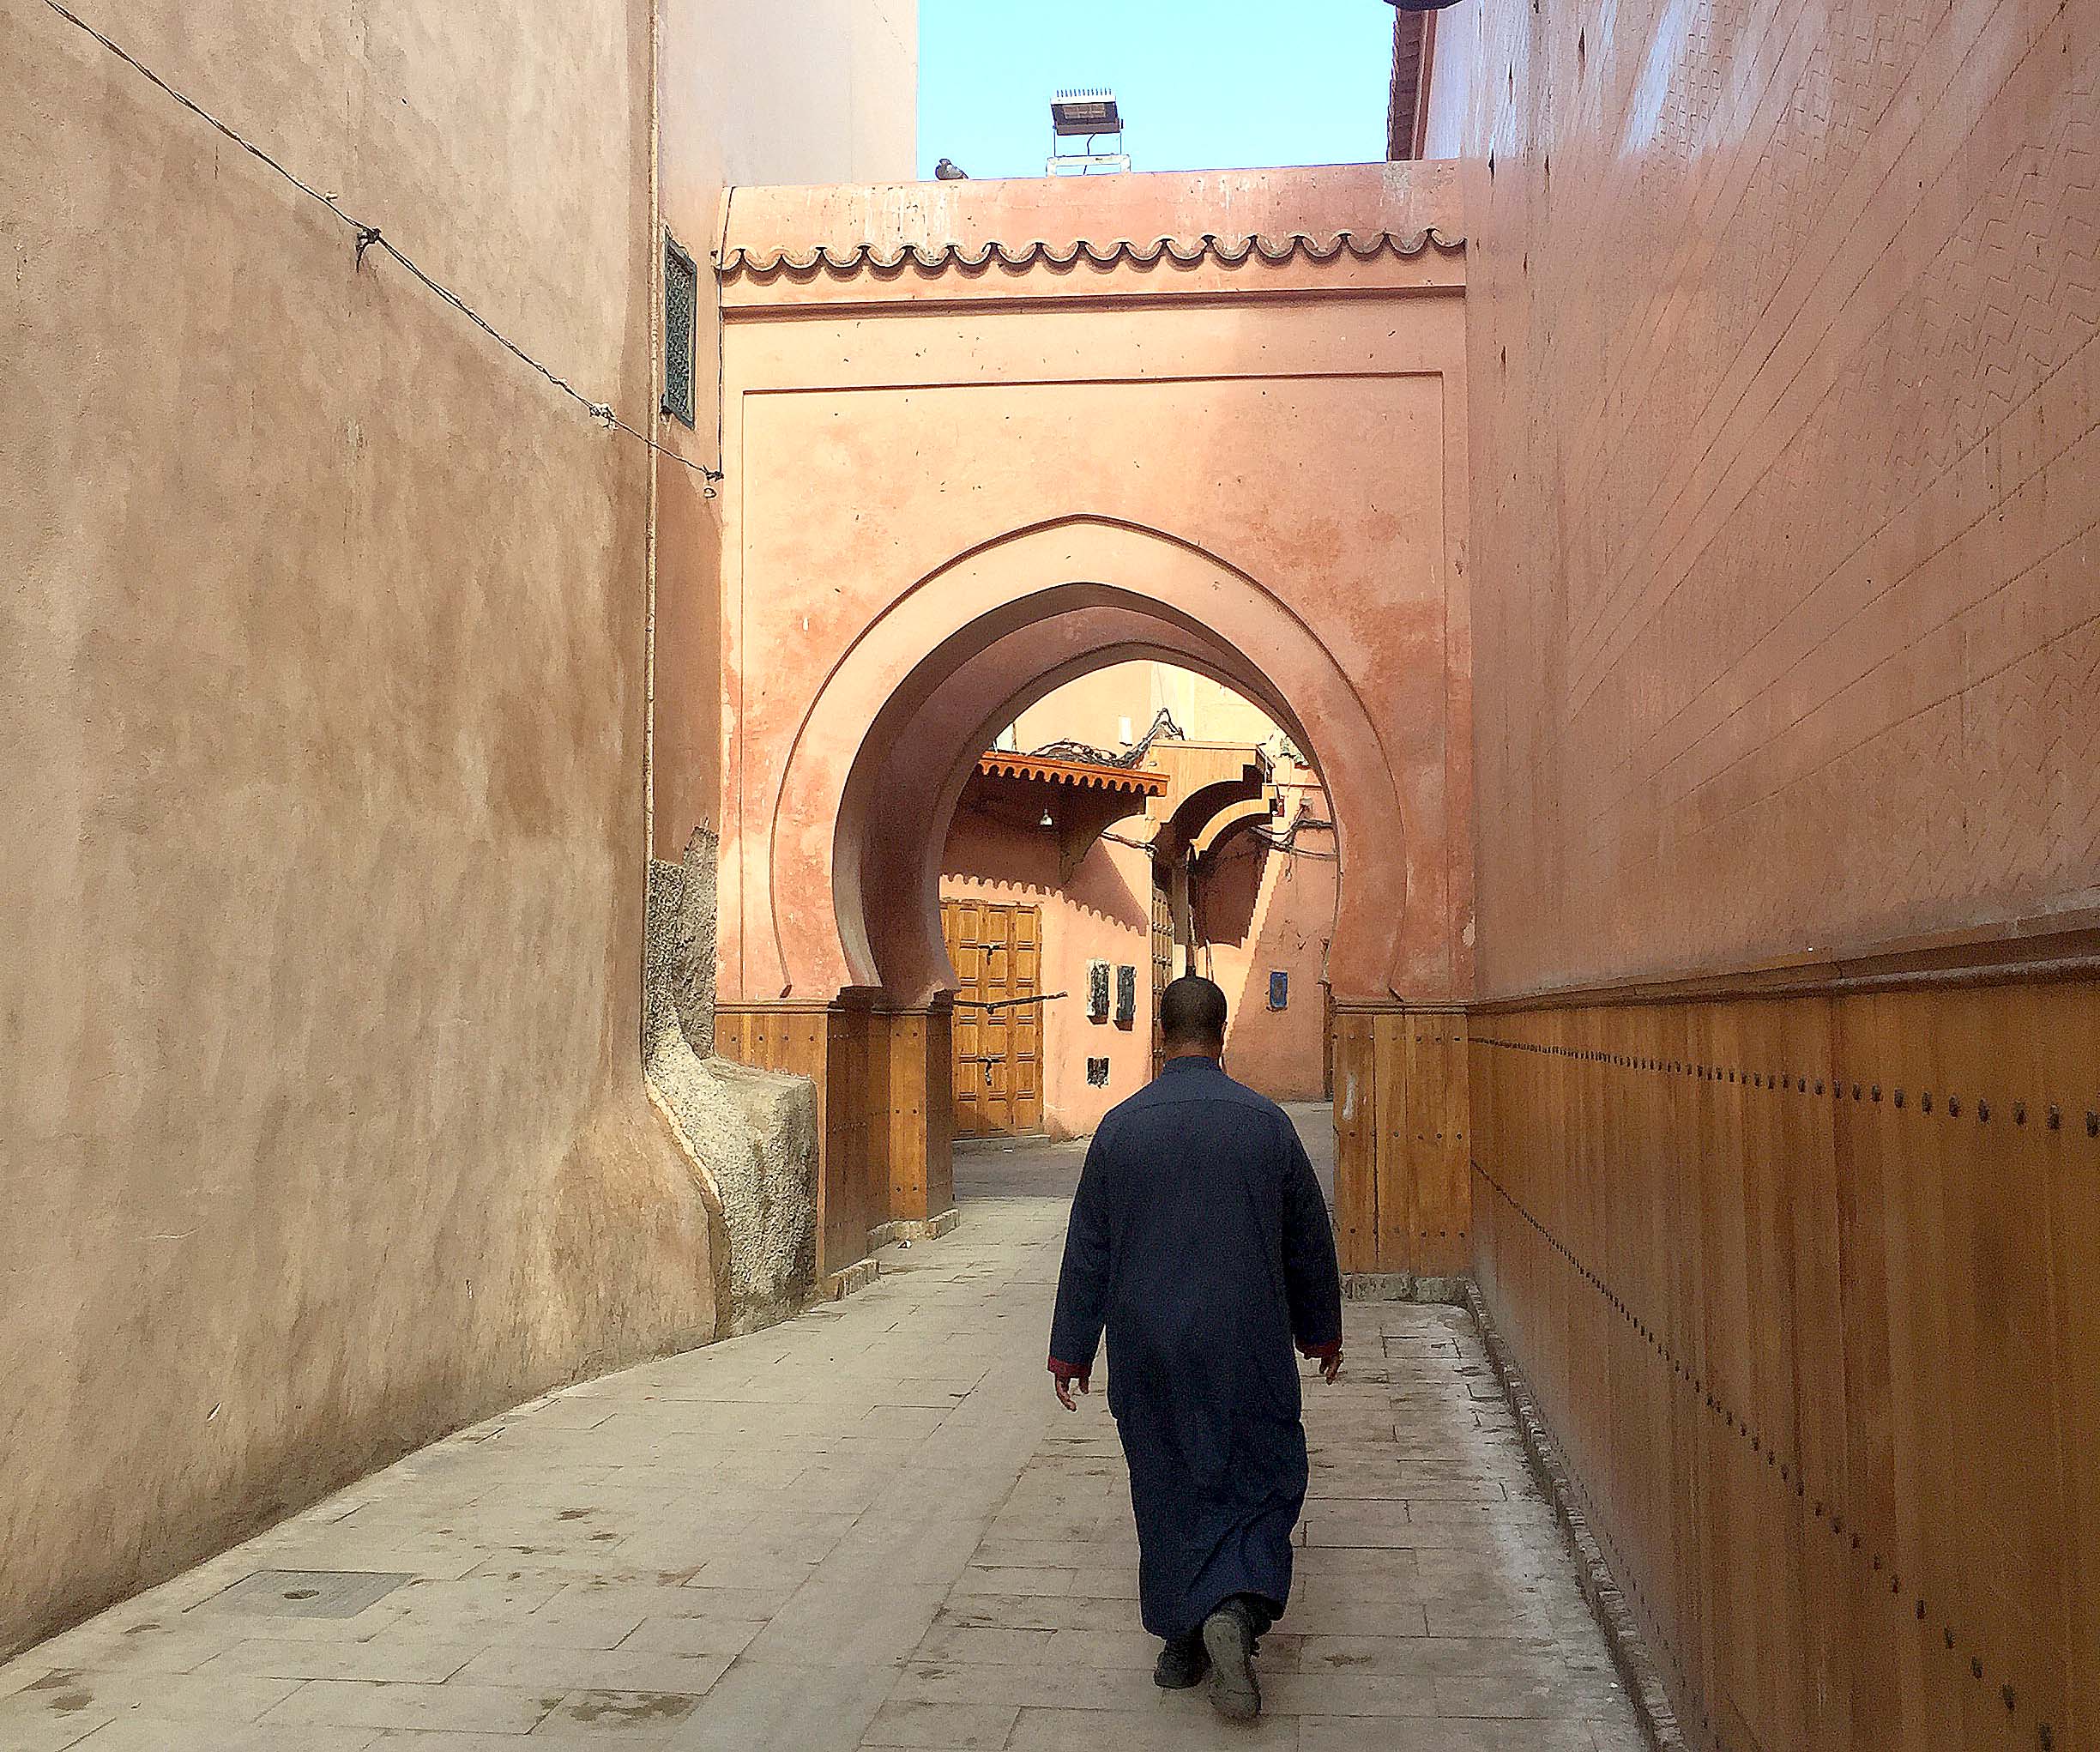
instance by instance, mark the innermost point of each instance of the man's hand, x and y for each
(1329, 1356)
(1064, 1377)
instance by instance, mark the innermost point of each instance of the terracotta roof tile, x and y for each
(1231, 251)
(1000, 764)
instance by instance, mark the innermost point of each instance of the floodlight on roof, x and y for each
(1083, 112)
(1089, 117)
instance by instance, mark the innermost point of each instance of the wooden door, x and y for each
(1162, 959)
(997, 949)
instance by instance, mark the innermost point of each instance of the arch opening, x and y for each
(885, 750)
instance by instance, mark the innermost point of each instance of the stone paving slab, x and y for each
(869, 1527)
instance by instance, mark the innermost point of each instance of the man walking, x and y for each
(1200, 1240)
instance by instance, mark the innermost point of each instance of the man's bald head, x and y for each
(1193, 1015)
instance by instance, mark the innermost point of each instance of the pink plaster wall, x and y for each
(1017, 211)
(1261, 909)
(1275, 449)
(1787, 340)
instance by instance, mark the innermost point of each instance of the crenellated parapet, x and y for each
(1365, 227)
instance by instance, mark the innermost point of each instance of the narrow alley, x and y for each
(870, 1527)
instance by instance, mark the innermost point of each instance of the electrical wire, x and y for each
(1287, 843)
(1069, 749)
(370, 237)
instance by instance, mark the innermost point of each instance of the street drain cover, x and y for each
(305, 1593)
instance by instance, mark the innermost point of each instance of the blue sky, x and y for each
(1205, 84)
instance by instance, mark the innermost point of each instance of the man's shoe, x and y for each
(1181, 1664)
(1229, 1640)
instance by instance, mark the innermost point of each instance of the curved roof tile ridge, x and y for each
(870, 258)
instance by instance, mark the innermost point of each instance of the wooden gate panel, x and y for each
(997, 950)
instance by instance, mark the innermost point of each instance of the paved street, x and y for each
(869, 1527)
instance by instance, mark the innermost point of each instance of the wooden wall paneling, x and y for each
(1769, 1170)
(940, 1125)
(2062, 1035)
(1811, 1421)
(1355, 1143)
(829, 1044)
(2021, 1499)
(905, 1040)
(845, 1120)
(1395, 1091)
(919, 1071)
(1926, 1485)
(1881, 1476)
(886, 1082)
(1439, 1190)
(1888, 1304)
(1456, 1183)
(1403, 1186)
(1969, 1433)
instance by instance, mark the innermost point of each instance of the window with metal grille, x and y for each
(681, 310)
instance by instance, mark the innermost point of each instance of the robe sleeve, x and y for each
(1082, 1284)
(1311, 1277)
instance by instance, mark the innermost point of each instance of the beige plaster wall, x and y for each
(322, 650)
(802, 91)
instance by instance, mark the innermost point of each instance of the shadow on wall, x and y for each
(1025, 860)
(1232, 889)
(1264, 911)
(751, 1134)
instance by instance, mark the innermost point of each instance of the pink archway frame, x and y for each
(850, 894)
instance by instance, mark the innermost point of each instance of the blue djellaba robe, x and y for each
(1199, 1238)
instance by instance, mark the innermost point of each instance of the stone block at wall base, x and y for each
(752, 1134)
(1405, 1286)
(908, 1229)
(836, 1286)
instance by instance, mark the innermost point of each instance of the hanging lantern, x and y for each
(1422, 5)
